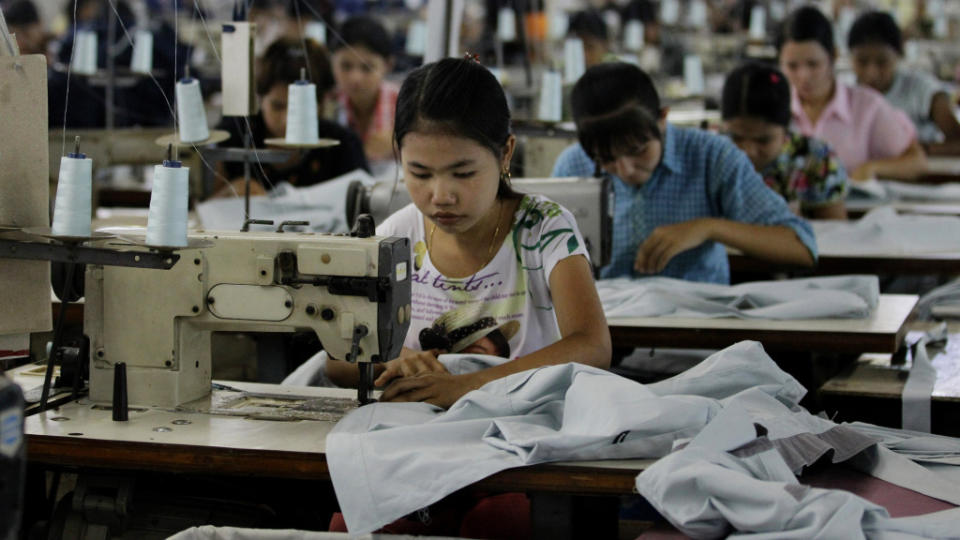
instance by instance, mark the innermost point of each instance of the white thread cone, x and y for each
(633, 35)
(574, 60)
(167, 219)
(142, 60)
(72, 207)
(316, 31)
(551, 97)
(302, 113)
(85, 52)
(191, 113)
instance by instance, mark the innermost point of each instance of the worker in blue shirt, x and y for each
(681, 194)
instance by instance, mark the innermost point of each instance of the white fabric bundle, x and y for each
(884, 232)
(811, 298)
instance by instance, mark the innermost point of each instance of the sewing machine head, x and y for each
(354, 293)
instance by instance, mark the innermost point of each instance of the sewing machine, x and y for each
(590, 200)
(353, 292)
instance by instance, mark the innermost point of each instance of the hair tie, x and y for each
(774, 78)
(474, 57)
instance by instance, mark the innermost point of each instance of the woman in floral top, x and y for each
(805, 171)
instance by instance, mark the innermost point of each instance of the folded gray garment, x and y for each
(908, 191)
(389, 459)
(707, 493)
(947, 294)
(852, 296)
(884, 232)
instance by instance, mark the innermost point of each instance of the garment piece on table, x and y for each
(389, 459)
(883, 232)
(912, 92)
(707, 493)
(944, 297)
(858, 124)
(809, 298)
(507, 304)
(701, 175)
(210, 532)
(904, 191)
(808, 173)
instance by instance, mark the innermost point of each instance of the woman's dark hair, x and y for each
(759, 91)
(21, 13)
(364, 31)
(459, 97)
(285, 57)
(587, 23)
(615, 105)
(807, 24)
(875, 28)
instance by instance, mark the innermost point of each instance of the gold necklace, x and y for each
(493, 240)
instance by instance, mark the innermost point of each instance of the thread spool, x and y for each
(191, 114)
(506, 25)
(557, 25)
(167, 219)
(72, 207)
(302, 113)
(758, 23)
(693, 74)
(316, 31)
(633, 35)
(574, 60)
(670, 12)
(416, 38)
(142, 59)
(778, 10)
(697, 15)
(85, 53)
(550, 108)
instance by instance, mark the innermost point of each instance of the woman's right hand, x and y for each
(411, 363)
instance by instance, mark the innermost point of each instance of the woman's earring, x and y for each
(505, 177)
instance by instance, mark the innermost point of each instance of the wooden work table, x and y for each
(80, 437)
(882, 331)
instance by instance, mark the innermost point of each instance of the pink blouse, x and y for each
(858, 124)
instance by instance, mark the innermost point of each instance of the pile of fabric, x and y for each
(729, 433)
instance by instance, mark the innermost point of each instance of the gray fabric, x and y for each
(389, 459)
(883, 232)
(210, 532)
(707, 493)
(947, 295)
(915, 396)
(743, 365)
(917, 446)
(810, 298)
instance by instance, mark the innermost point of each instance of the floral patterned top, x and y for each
(807, 174)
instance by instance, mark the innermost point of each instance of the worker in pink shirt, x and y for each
(872, 138)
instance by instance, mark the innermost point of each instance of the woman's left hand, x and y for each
(440, 389)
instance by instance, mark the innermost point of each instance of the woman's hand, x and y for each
(440, 389)
(411, 363)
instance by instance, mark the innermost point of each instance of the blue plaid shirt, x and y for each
(700, 175)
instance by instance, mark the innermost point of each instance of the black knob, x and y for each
(364, 227)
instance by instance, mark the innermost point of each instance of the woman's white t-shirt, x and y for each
(511, 294)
